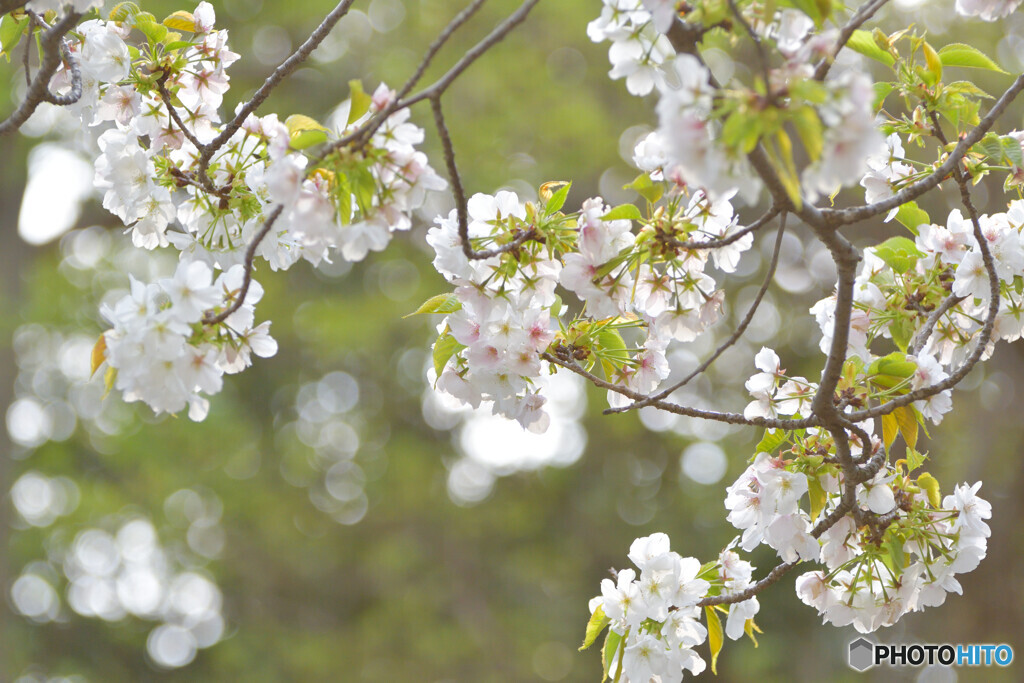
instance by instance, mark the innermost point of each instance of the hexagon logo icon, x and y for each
(862, 654)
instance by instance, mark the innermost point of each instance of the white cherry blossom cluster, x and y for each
(509, 311)
(503, 321)
(946, 260)
(639, 47)
(988, 10)
(764, 504)
(256, 187)
(871, 587)
(655, 614)
(773, 393)
(163, 355)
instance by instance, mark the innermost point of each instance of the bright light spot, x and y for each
(34, 597)
(171, 646)
(194, 597)
(58, 182)
(40, 499)
(96, 553)
(469, 482)
(140, 591)
(385, 15)
(29, 422)
(704, 462)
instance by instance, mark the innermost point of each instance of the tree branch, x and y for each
(273, 80)
(863, 13)
(917, 344)
(735, 337)
(39, 90)
(490, 40)
(210, 319)
(729, 418)
(726, 241)
(11, 5)
(986, 330)
(856, 214)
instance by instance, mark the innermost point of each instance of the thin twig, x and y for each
(772, 577)
(726, 241)
(733, 338)
(366, 131)
(272, 81)
(459, 194)
(39, 92)
(863, 13)
(490, 40)
(211, 319)
(438, 88)
(856, 214)
(762, 55)
(917, 344)
(729, 418)
(166, 97)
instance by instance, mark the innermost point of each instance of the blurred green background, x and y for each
(330, 521)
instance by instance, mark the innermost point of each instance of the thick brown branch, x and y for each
(39, 91)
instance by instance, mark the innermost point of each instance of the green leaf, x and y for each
(610, 348)
(147, 23)
(882, 90)
(598, 620)
(359, 101)
(899, 253)
(902, 330)
(906, 420)
(931, 59)
(960, 54)
(818, 10)
(181, 21)
(863, 42)
(914, 459)
(305, 132)
(808, 127)
(817, 495)
(773, 438)
(179, 44)
(889, 430)
(11, 32)
(557, 200)
(613, 642)
(1012, 150)
(442, 303)
(445, 347)
(930, 485)
(623, 211)
(894, 545)
(911, 216)
(646, 188)
(786, 168)
(888, 371)
(965, 88)
(716, 638)
(123, 11)
(750, 628)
